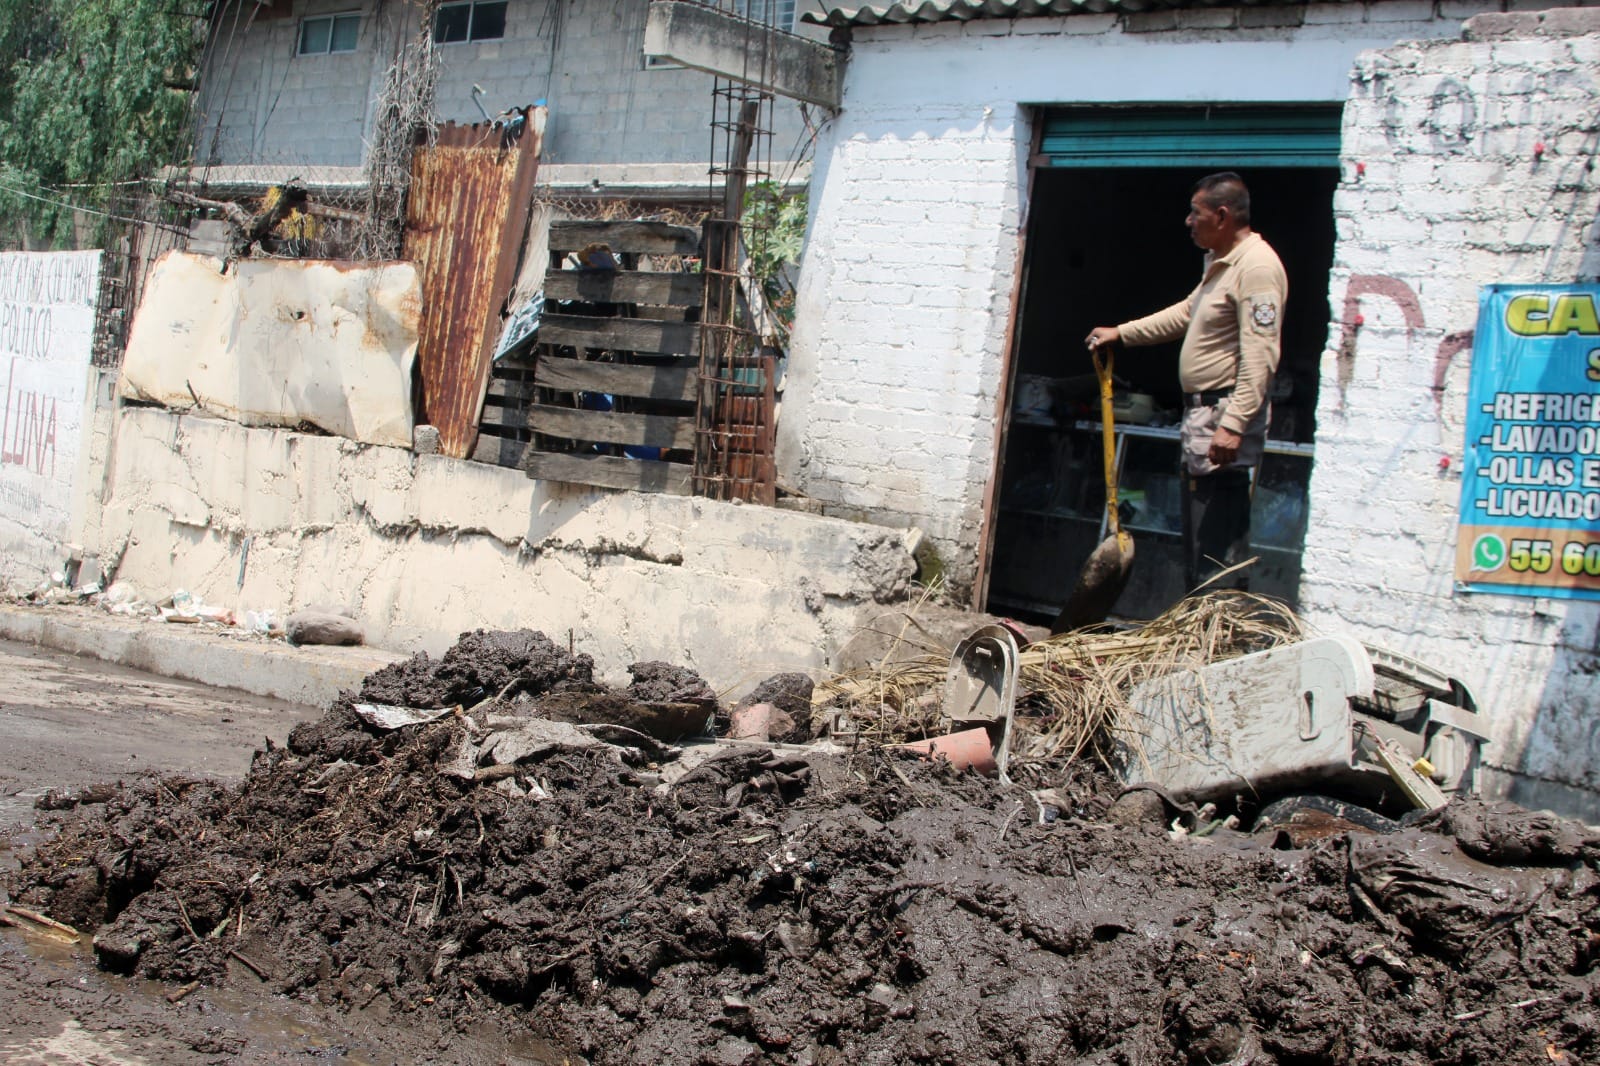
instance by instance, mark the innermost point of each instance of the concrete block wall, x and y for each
(424, 548)
(917, 203)
(268, 105)
(1444, 192)
(263, 103)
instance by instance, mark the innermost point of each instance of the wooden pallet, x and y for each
(608, 395)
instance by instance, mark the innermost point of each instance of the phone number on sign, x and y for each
(1539, 556)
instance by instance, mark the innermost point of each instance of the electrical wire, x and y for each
(70, 206)
(230, 61)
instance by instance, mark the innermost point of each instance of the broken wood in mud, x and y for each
(178, 995)
(253, 967)
(42, 923)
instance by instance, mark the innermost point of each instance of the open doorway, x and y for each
(1105, 244)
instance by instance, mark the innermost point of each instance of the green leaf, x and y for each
(86, 100)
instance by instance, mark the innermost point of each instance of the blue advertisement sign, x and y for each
(1530, 488)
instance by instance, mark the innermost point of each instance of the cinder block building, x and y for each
(290, 88)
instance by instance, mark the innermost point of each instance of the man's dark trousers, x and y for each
(1216, 526)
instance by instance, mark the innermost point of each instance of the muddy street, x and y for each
(69, 727)
(69, 723)
(465, 862)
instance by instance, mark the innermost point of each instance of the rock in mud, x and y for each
(790, 695)
(317, 627)
(661, 682)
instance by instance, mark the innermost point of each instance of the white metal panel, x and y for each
(1252, 723)
(280, 343)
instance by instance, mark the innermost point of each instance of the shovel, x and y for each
(1106, 573)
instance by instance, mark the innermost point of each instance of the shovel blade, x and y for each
(1100, 582)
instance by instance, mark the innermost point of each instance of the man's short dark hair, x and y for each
(1226, 190)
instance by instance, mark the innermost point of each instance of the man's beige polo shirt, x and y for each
(1230, 327)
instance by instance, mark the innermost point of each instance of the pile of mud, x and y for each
(640, 902)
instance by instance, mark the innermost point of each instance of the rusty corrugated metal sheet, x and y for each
(466, 216)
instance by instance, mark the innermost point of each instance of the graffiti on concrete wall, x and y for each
(46, 328)
(1500, 114)
(1404, 297)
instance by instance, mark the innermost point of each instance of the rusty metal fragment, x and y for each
(466, 217)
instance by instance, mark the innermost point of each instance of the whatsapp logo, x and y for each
(1488, 552)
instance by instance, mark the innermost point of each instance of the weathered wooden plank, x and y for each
(610, 427)
(658, 288)
(621, 334)
(608, 471)
(502, 451)
(644, 238)
(576, 375)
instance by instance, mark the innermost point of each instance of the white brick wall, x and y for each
(899, 344)
(900, 334)
(1453, 198)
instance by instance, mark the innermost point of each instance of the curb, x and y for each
(312, 676)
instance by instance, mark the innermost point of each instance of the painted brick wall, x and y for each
(1450, 196)
(265, 104)
(904, 296)
(906, 285)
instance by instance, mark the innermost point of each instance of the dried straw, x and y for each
(1074, 687)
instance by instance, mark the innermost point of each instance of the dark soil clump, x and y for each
(774, 906)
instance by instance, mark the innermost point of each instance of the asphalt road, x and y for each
(66, 723)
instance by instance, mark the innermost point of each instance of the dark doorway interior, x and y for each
(1106, 245)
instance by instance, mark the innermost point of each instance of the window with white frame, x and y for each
(328, 34)
(779, 13)
(477, 20)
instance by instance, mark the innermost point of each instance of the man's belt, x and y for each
(1209, 398)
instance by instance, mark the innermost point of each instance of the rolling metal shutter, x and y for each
(1216, 137)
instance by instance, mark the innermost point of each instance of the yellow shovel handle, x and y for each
(1102, 369)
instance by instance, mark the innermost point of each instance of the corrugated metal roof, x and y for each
(968, 10)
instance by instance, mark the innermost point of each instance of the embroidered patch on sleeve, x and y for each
(1264, 314)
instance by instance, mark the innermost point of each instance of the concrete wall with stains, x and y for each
(1444, 191)
(424, 548)
(264, 104)
(905, 293)
(47, 304)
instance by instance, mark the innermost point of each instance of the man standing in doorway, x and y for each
(1231, 329)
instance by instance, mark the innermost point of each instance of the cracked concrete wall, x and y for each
(425, 548)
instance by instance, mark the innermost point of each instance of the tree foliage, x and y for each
(92, 93)
(774, 233)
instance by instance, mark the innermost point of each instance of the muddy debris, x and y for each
(66, 799)
(637, 900)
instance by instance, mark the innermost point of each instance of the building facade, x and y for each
(996, 186)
